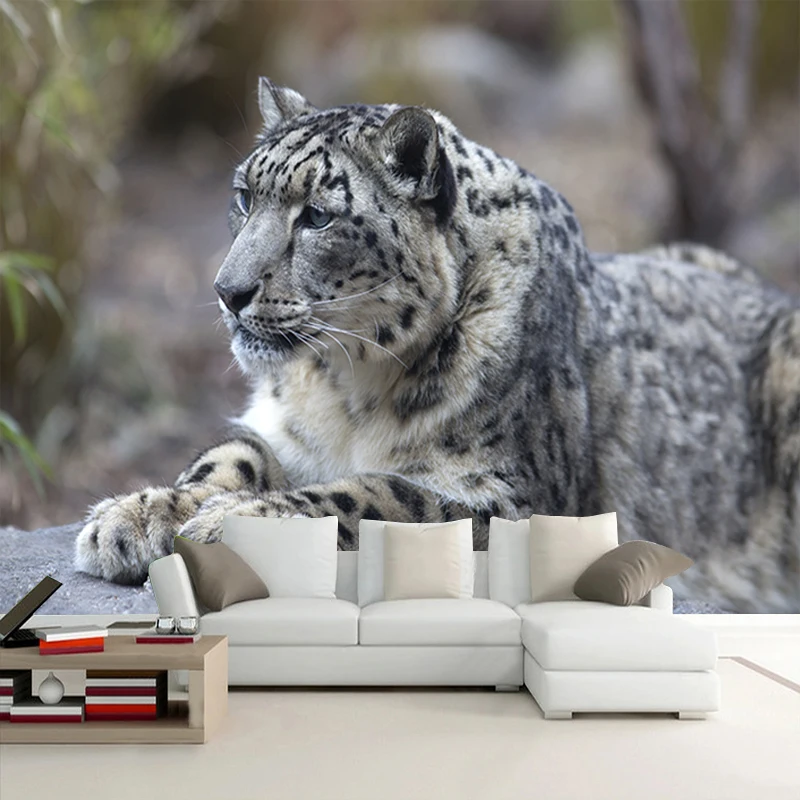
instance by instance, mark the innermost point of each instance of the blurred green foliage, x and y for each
(22, 272)
(24, 275)
(777, 54)
(71, 78)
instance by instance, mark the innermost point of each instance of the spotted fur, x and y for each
(428, 337)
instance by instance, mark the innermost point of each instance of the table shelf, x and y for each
(187, 721)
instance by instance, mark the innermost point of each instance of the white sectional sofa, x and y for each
(573, 656)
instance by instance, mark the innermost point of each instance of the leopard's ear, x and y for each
(408, 144)
(278, 105)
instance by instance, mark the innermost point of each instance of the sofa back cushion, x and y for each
(295, 557)
(509, 561)
(481, 588)
(422, 562)
(371, 559)
(347, 576)
(561, 548)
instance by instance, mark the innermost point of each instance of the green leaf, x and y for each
(52, 293)
(16, 307)
(35, 465)
(24, 269)
(14, 260)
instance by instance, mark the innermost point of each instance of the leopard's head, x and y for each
(339, 222)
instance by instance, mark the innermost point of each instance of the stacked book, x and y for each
(15, 687)
(128, 695)
(80, 639)
(152, 636)
(69, 709)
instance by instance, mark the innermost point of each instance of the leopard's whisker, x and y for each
(358, 294)
(312, 338)
(306, 340)
(327, 327)
(344, 350)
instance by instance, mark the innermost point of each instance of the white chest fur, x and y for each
(315, 434)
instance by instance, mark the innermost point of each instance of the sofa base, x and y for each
(566, 692)
(362, 665)
(558, 715)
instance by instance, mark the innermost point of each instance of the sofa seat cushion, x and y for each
(587, 636)
(438, 622)
(285, 621)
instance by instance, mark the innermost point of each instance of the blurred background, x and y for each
(120, 123)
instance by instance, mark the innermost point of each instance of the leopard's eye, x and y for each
(244, 201)
(315, 217)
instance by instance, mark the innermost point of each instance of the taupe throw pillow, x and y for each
(623, 576)
(220, 577)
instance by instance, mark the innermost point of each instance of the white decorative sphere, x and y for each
(51, 690)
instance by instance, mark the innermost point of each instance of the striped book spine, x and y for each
(121, 710)
(70, 710)
(131, 695)
(15, 687)
(114, 691)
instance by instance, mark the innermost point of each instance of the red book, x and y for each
(45, 718)
(88, 642)
(165, 639)
(60, 651)
(109, 691)
(121, 708)
(120, 717)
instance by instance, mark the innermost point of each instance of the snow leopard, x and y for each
(428, 338)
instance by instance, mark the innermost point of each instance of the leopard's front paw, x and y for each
(123, 534)
(206, 524)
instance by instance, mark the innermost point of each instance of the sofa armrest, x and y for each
(659, 598)
(172, 587)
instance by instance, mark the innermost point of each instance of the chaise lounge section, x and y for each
(582, 656)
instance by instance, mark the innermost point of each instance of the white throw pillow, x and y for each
(421, 561)
(561, 548)
(509, 561)
(295, 557)
(371, 558)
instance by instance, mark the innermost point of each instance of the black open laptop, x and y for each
(11, 634)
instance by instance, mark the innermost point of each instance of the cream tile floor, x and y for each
(382, 745)
(772, 641)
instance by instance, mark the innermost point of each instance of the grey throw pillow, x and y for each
(624, 575)
(220, 577)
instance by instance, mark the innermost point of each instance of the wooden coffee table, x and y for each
(190, 721)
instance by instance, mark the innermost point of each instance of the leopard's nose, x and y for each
(235, 297)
